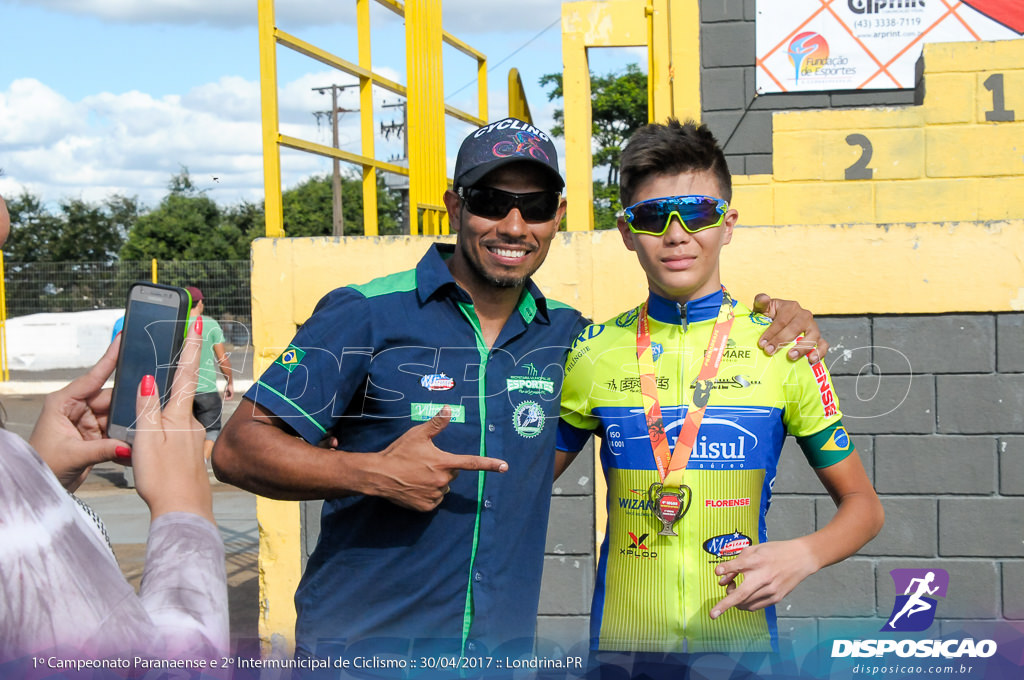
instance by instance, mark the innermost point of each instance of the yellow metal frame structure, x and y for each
(670, 29)
(426, 111)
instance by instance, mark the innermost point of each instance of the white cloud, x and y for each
(192, 12)
(460, 16)
(133, 142)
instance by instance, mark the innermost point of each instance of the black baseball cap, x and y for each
(506, 141)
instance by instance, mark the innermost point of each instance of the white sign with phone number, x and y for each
(813, 45)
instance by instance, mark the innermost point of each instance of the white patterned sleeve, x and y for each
(184, 586)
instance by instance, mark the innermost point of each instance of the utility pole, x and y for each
(339, 218)
(399, 130)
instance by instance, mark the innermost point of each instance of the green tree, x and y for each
(187, 225)
(309, 211)
(81, 232)
(618, 109)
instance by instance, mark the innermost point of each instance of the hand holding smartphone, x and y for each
(151, 341)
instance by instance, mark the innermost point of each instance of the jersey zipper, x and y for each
(682, 392)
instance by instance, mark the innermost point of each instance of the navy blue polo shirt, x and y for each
(375, 360)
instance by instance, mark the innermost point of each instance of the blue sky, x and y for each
(114, 96)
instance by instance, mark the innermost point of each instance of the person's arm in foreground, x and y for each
(256, 453)
(184, 585)
(771, 570)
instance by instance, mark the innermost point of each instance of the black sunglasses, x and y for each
(536, 206)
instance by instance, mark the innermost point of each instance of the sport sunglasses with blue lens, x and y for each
(696, 213)
(536, 206)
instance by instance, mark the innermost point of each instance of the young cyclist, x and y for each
(692, 417)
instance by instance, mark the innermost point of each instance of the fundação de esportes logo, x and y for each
(914, 610)
(808, 53)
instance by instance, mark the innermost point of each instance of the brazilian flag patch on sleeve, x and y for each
(827, 447)
(290, 358)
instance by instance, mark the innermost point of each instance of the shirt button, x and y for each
(488, 503)
(478, 577)
(490, 428)
(471, 646)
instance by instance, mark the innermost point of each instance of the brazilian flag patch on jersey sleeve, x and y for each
(827, 447)
(290, 358)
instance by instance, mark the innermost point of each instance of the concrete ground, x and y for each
(127, 518)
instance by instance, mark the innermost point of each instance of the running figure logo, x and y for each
(914, 610)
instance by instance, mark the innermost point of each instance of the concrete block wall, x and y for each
(934, 404)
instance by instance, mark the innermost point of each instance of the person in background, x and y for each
(208, 406)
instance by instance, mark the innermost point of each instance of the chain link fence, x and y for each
(38, 287)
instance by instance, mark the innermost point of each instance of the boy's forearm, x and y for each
(858, 519)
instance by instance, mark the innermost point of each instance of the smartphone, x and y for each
(155, 323)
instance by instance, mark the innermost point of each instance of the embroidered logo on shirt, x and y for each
(528, 419)
(531, 383)
(290, 358)
(437, 382)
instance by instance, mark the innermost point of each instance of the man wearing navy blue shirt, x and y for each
(440, 387)
(453, 367)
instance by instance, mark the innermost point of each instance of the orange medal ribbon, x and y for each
(671, 464)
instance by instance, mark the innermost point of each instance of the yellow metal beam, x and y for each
(463, 116)
(518, 107)
(348, 156)
(325, 57)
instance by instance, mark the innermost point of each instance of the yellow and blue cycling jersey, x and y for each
(654, 593)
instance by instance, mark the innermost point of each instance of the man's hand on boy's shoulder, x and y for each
(789, 322)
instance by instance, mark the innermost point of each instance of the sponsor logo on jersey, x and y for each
(726, 502)
(576, 357)
(631, 383)
(828, 400)
(638, 548)
(589, 333)
(290, 358)
(735, 450)
(531, 383)
(640, 506)
(839, 441)
(760, 319)
(734, 353)
(727, 545)
(437, 382)
(627, 318)
(737, 381)
(528, 419)
(657, 349)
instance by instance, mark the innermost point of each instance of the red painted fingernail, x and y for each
(123, 452)
(148, 386)
(199, 324)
